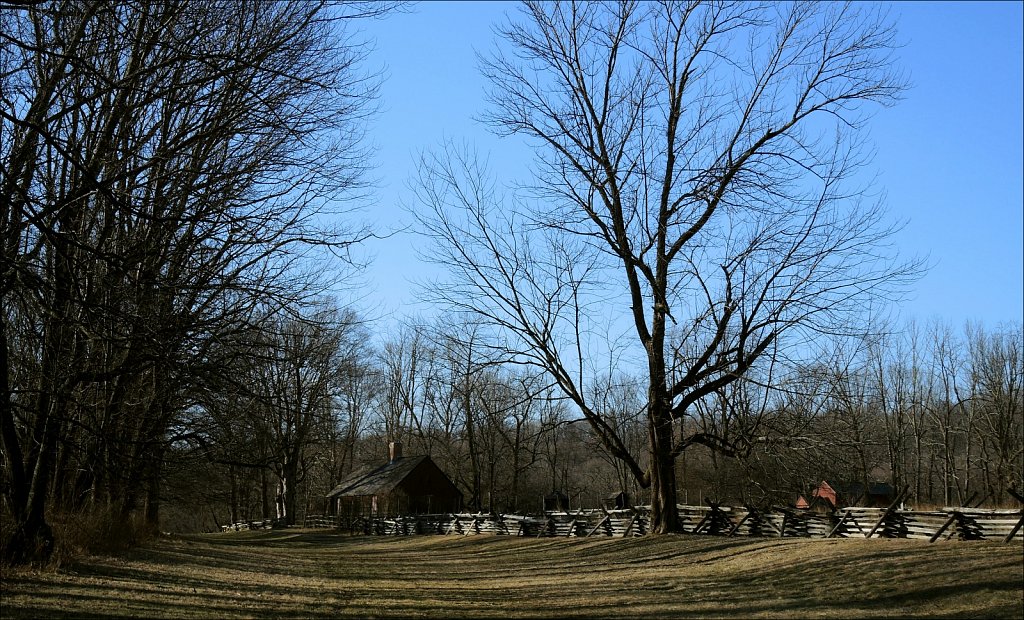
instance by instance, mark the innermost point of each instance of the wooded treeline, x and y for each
(931, 408)
(176, 180)
(171, 173)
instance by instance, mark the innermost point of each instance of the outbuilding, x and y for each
(402, 486)
(618, 501)
(556, 501)
(830, 496)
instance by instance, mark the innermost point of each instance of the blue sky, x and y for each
(950, 156)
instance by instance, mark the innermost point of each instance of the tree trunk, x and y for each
(153, 505)
(288, 488)
(24, 537)
(512, 503)
(664, 514)
(264, 494)
(234, 494)
(153, 475)
(475, 498)
(32, 537)
(282, 506)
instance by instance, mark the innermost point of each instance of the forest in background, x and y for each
(930, 408)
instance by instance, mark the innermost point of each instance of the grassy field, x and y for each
(303, 573)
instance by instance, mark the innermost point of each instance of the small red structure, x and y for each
(830, 496)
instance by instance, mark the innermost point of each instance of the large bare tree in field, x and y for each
(164, 167)
(695, 171)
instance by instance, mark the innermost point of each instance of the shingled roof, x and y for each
(376, 480)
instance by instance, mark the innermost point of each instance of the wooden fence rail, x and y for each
(258, 525)
(714, 520)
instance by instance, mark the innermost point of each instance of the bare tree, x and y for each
(996, 364)
(404, 362)
(619, 398)
(465, 359)
(275, 409)
(695, 168)
(917, 403)
(893, 378)
(949, 409)
(164, 167)
(359, 383)
(508, 432)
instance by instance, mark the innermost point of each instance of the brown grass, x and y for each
(302, 573)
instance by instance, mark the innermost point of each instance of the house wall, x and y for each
(390, 504)
(353, 506)
(428, 490)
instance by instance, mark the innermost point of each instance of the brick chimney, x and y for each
(395, 450)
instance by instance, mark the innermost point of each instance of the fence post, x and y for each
(892, 506)
(949, 521)
(599, 524)
(846, 514)
(1020, 522)
(750, 511)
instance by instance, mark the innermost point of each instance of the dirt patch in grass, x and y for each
(297, 573)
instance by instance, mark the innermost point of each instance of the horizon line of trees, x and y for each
(928, 409)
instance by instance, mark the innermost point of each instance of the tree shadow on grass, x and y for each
(882, 583)
(103, 590)
(323, 573)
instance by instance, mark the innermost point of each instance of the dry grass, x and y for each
(313, 573)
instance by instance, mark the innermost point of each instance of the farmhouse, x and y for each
(402, 486)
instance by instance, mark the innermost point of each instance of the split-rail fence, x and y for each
(948, 523)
